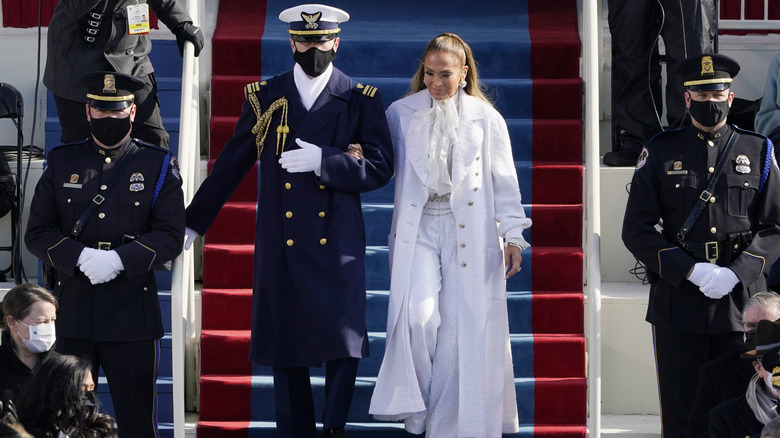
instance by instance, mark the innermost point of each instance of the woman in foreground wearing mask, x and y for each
(28, 314)
(456, 235)
(60, 401)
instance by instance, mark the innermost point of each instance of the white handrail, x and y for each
(590, 75)
(743, 23)
(182, 284)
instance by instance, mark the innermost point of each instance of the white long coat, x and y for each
(486, 204)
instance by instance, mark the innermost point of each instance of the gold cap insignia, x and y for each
(74, 178)
(312, 20)
(706, 66)
(677, 165)
(109, 83)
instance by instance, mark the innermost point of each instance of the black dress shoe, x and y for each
(336, 432)
(621, 157)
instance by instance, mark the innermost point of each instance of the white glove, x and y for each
(306, 159)
(700, 272)
(85, 255)
(719, 283)
(189, 237)
(102, 266)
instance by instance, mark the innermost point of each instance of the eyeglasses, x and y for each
(749, 327)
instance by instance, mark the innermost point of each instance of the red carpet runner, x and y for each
(534, 74)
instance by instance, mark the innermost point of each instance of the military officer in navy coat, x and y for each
(106, 213)
(321, 139)
(703, 266)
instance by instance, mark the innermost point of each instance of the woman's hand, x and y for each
(512, 259)
(355, 150)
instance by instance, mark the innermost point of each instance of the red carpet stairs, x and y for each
(528, 55)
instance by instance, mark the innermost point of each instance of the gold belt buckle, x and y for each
(104, 246)
(711, 251)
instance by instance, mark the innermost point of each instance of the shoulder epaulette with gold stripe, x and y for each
(366, 90)
(253, 88)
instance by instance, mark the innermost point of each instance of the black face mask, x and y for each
(110, 130)
(314, 61)
(750, 341)
(709, 113)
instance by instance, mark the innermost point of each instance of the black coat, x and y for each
(720, 380)
(672, 172)
(149, 210)
(14, 374)
(69, 57)
(734, 419)
(309, 276)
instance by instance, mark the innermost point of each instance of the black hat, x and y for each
(767, 337)
(708, 72)
(110, 91)
(313, 22)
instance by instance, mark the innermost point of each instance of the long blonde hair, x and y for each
(453, 44)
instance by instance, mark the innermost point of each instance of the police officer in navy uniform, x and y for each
(107, 212)
(702, 267)
(309, 277)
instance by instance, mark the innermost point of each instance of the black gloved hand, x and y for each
(186, 31)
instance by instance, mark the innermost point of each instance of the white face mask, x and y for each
(42, 337)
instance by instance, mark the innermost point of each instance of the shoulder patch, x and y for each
(254, 87)
(366, 90)
(640, 162)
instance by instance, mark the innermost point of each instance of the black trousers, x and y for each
(678, 357)
(131, 371)
(148, 125)
(295, 403)
(688, 27)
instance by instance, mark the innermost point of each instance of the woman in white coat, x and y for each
(456, 236)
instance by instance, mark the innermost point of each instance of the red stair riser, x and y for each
(228, 93)
(228, 309)
(555, 224)
(554, 184)
(237, 257)
(556, 268)
(225, 395)
(560, 401)
(557, 141)
(547, 308)
(235, 223)
(559, 355)
(557, 99)
(225, 352)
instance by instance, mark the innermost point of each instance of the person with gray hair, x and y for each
(727, 377)
(772, 429)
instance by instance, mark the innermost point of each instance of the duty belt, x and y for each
(709, 251)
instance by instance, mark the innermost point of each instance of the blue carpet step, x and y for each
(227, 352)
(218, 390)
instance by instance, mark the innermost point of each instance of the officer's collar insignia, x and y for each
(109, 83)
(706, 66)
(136, 187)
(312, 20)
(642, 159)
(743, 159)
(136, 177)
(677, 165)
(74, 178)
